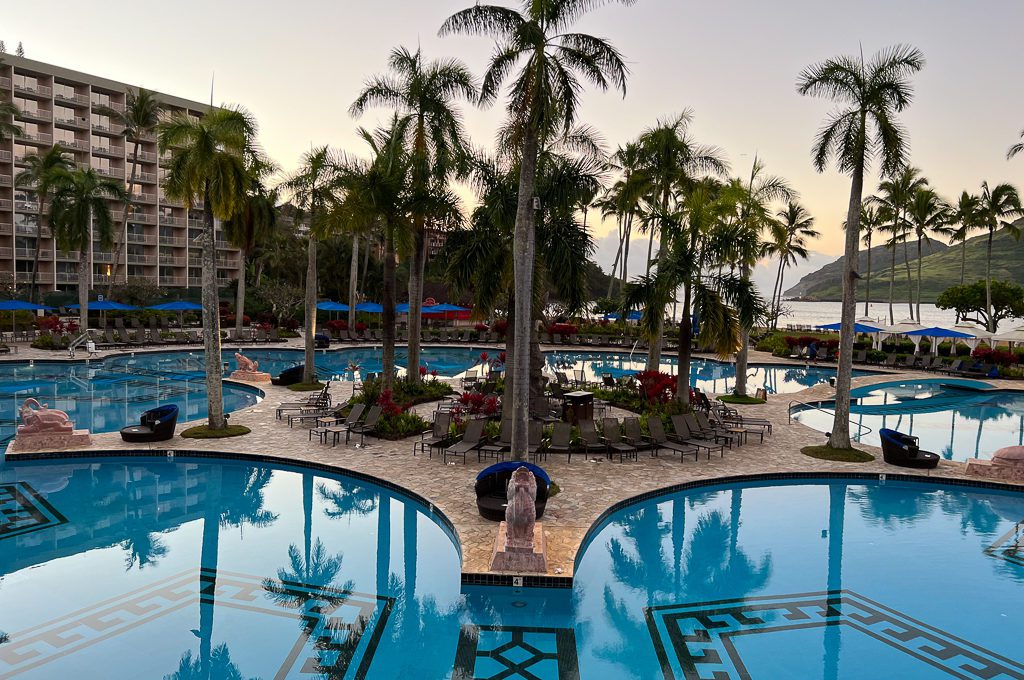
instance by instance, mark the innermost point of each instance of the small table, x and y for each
(578, 405)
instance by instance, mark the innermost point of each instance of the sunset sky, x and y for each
(298, 65)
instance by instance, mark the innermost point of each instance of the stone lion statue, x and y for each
(521, 511)
(245, 364)
(36, 417)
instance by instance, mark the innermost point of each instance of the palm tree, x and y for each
(313, 188)
(893, 199)
(928, 214)
(671, 160)
(622, 199)
(1014, 150)
(80, 215)
(997, 206)
(793, 227)
(871, 94)
(208, 168)
(140, 117)
(544, 98)
(252, 224)
(42, 170)
(965, 213)
(870, 221)
(8, 110)
(422, 94)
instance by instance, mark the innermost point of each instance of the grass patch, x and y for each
(306, 387)
(842, 455)
(738, 399)
(204, 432)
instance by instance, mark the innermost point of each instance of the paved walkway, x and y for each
(588, 486)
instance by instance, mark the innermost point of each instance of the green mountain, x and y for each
(939, 270)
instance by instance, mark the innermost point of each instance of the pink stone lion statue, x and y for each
(521, 511)
(246, 365)
(38, 417)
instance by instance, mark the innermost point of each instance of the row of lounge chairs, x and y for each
(455, 336)
(693, 434)
(329, 422)
(964, 367)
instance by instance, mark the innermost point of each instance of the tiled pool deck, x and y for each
(588, 486)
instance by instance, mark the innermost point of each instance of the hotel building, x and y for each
(59, 106)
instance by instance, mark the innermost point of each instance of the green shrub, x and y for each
(400, 426)
(876, 356)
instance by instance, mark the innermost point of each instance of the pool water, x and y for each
(199, 568)
(707, 374)
(958, 419)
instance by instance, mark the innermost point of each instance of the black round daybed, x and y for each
(155, 425)
(289, 376)
(902, 450)
(492, 485)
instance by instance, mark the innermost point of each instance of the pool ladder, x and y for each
(814, 406)
(79, 341)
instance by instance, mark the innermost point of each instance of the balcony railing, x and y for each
(109, 150)
(145, 177)
(172, 281)
(5, 156)
(168, 200)
(172, 221)
(136, 217)
(25, 277)
(67, 255)
(75, 122)
(147, 157)
(111, 128)
(194, 282)
(75, 144)
(5, 253)
(172, 261)
(226, 263)
(5, 83)
(116, 173)
(26, 206)
(67, 277)
(6, 204)
(195, 223)
(172, 241)
(6, 228)
(148, 239)
(80, 99)
(30, 253)
(40, 90)
(36, 114)
(144, 136)
(141, 259)
(142, 279)
(144, 198)
(6, 180)
(98, 256)
(37, 137)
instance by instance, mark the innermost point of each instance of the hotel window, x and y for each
(26, 105)
(101, 164)
(29, 131)
(194, 273)
(100, 143)
(24, 243)
(63, 90)
(23, 266)
(194, 234)
(20, 150)
(100, 99)
(26, 221)
(101, 122)
(26, 82)
(63, 113)
(166, 232)
(65, 137)
(67, 267)
(136, 270)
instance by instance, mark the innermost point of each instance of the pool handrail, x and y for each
(789, 415)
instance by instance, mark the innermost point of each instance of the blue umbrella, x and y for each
(939, 332)
(444, 307)
(105, 306)
(402, 308)
(369, 307)
(176, 306)
(857, 327)
(331, 306)
(21, 305)
(632, 316)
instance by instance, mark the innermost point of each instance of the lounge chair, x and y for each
(612, 437)
(492, 484)
(684, 436)
(860, 356)
(736, 428)
(700, 426)
(634, 436)
(367, 427)
(590, 438)
(498, 447)
(902, 450)
(540, 409)
(155, 425)
(336, 426)
(469, 442)
(314, 413)
(729, 416)
(661, 440)
(470, 379)
(535, 439)
(890, 361)
(954, 367)
(438, 435)
(561, 440)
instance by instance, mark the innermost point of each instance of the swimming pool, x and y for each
(707, 374)
(958, 419)
(194, 567)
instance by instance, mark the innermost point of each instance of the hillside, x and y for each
(940, 270)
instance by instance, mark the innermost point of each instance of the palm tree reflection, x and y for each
(220, 667)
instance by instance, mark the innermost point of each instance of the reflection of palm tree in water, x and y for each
(220, 667)
(891, 504)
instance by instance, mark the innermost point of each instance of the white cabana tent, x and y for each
(978, 332)
(901, 328)
(1011, 336)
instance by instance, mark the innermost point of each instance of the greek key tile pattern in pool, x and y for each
(23, 510)
(694, 641)
(339, 629)
(516, 652)
(1010, 546)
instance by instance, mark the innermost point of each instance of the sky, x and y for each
(298, 66)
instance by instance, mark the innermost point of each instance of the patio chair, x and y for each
(890, 361)
(540, 409)
(535, 438)
(719, 424)
(684, 436)
(155, 425)
(336, 426)
(503, 443)
(633, 435)
(438, 435)
(954, 367)
(275, 335)
(367, 427)
(561, 440)
(612, 437)
(470, 379)
(608, 381)
(661, 440)
(315, 414)
(860, 356)
(590, 438)
(902, 450)
(470, 440)
(700, 422)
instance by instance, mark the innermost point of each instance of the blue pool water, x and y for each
(958, 419)
(707, 374)
(197, 568)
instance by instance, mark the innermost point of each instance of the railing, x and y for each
(102, 257)
(75, 144)
(36, 114)
(172, 281)
(815, 407)
(5, 156)
(164, 198)
(38, 137)
(147, 177)
(26, 206)
(144, 136)
(73, 98)
(5, 83)
(224, 245)
(144, 198)
(142, 279)
(147, 157)
(195, 223)
(141, 259)
(112, 128)
(67, 255)
(6, 204)
(172, 221)
(116, 173)
(5, 253)
(67, 277)
(6, 180)
(172, 261)
(6, 228)
(40, 90)
(30, 230)
(194, 282)
(172, 241)
(141, 218)
(29, 253)
(109, 150)
(227, 264)
(148, 239)
(75, 122)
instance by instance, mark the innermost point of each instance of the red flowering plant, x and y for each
(563, 329)
(337, 325)
(423, 371)
(989, 355)
(387, 403)
(656, 387)
(360, 326)
(500, 326)
(480, 327)
(54, 324)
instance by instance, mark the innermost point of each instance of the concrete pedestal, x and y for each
(50, 441)
(251, 376)
(520, 561)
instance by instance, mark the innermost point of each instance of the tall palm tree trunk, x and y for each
(83, 290)
(416, 271)
(209, 555)
(919, 279)
(777, 308)
(910, 279)
(507, 410)
(834, 583)
(867, 291)
(625, 252)
(309, 369)
(840, 437)
(240, 298)
(618, 255)
(963, 259)
(122, 234)
(892, 282)
(211, 320)
(650, 251)
(388, 301)
(353, 281)
(654, 353)
(988, 278)
(366, 263)
(685, 348)
(744, 350)
(383, 561)
(34, 289)
(524, 247)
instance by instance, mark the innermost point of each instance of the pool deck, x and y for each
(588, 486)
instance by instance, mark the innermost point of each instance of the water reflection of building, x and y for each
(105, 504)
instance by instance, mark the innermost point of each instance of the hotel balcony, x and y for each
(67, 277)
(173, 222)
(37, 91)
(6, 204)
(5, 156)
(168, 200)
(147, 239)
(142, 279)
(6, 228)
(75, 144)
(6, 253)
(143, 198)
(194, 282)
(26, 277)
(116, 173)
(67, 255)
(172, 240)
(6, 180)
(136, 217)
(101, 257)
(143, 177)
(5, 83)
(33, 138)
(171, 261)
(172, 280)
(74, 99)
(30, 230)
(108, 128)
(147, 157)
(30, 253)
(141, 259)
(112, 151)
(144, 137)
(75, 122)
(37, 115)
